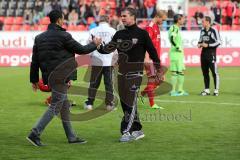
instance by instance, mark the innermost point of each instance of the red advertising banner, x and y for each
(225, 57)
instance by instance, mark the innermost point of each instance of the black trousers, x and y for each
(209, 62)
(95, 81)
(128, 87)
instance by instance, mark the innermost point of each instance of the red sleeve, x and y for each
(150, 31)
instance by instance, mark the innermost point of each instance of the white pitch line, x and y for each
(197, 102)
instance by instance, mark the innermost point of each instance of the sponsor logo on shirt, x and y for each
(134, 40)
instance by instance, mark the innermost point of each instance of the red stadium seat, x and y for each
(71, 28)
(238, 12)
(16, 27)
(102, 12)
(236, 27)
(81, 28)
(224, 13)
(2, 19)
(35, 27)
(8, 20)
(42, 27)
(103, 4)
(7, 27)
(217, 27)
(236, 20)
(18, 20)
(44, 21)
(225, 27)
(26, 27)
(223, 20)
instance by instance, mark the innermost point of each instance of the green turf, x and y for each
(190, 128)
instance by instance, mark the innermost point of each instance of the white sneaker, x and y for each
(111, 108)
(138, 135)
(205, 92)
(88, 107)
(126, 137)
(215, 93)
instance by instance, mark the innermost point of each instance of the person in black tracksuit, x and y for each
(209, 41)
(132, 44)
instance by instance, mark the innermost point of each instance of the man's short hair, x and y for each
(54, 15)
(104, 18)
(131, 11)
(207, 18)
(176, 17)
(160, 13)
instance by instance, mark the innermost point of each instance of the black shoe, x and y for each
(78, 141)
(34, 140)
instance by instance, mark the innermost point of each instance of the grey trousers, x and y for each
(59, 104)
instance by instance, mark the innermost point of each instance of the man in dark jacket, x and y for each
(52, 52)
(132, 44)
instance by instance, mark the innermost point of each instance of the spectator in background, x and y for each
(150, 6)
(73, 17)
(56, 5)
(217, 12)
(36, 17)
(170, 14)
(92, 25)
(127, 3)
(28, 16)
(114, 22)
(230, 11)
(38, 7)
(1, 25)
(108, 9)
(47, 7)
(209, 13)
(73, 4)
(82, 7)
(64, 3)
(198, 17)
(95, 8)
(65, 15)
(140, 9)
(85, 11)
(180, 10)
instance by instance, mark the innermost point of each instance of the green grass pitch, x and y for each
(190, 128)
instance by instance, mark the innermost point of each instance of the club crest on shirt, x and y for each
(134, 40)
(119, 40)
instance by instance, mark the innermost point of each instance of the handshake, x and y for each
(100, 44)
(204, 45)
(97, 41)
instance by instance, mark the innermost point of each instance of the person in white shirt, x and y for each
(102, 65)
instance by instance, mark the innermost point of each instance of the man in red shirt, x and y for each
(230, 11)
(154, 33)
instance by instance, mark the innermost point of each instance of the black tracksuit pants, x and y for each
(208, 61)
(128, 87)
